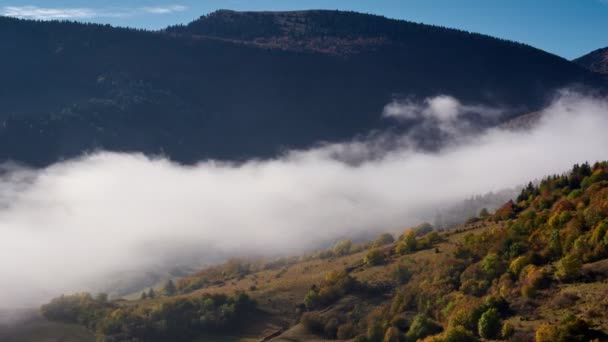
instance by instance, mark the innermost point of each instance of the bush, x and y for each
(408, 244)
(489, 324)
(392, 335)
(518, 264)
(331, 328)
(400, 323)
(458, 334)
(569, 268)
(346, 331)
(313, 322)
(342, 247)
(546, 333)
(401, 273)
(570, 328)
(374, 257)
(421, 327)
(375, 332)
(507, 330)
(532, 278)
(311, 300)
(383, 239)
(492, 265)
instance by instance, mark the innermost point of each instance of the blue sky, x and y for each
(569, 28)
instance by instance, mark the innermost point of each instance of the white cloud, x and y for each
(165, 10)
(51, 13)
(69, 226)
(42, 13)
(443, 112)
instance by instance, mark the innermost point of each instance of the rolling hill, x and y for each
(236, 85)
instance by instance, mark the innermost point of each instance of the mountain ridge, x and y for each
(596, 61)
(69, 88)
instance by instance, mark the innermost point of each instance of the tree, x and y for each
(311, 300)
(408, 244)
(489, 324)
(383, 239)
(169, 288)
(151, 293)
(144, 295)
(458, 333)
(373, 257)
(421, 327)
(484, 213)
(569, 267)
(102, 298)
(342, 247)
(492, 265)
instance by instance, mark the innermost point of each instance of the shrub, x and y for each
(507, 330)
(546, 333)
(492, 265)
(383, 239)
(569, 268)
(466, 315)
(375, 332)
(532, 278)
(400, 323)
(313, 322)
(373, 257)
(489, 324)
(518, 264)
(423, 229)
(570, 328)
(311, 300)
(342, 247)
(421, 327)
(401, 273)
(331, 328)
(458, 334)
(392, 335)
(346, 331)
(408, 244)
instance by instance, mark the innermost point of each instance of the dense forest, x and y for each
(533, 270)
(237, 85)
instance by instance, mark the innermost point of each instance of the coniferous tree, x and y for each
(169, 289)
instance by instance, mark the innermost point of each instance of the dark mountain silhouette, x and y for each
(596, 61)
(237, 85)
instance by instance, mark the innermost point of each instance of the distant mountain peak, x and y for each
(325, 31)
(596, 61)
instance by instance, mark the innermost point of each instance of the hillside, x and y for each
(535, 269)
(236, 85)
(596, 61)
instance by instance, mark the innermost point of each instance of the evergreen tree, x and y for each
(169, 289)
(151, 293)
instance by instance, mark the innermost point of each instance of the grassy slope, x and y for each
(278, 292)
(37, 329)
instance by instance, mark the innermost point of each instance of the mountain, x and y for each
(535, 270)
(596, 61)
(236, 85)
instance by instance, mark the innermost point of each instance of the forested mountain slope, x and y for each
(237, 85)
(596, 61)
(535, 269)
